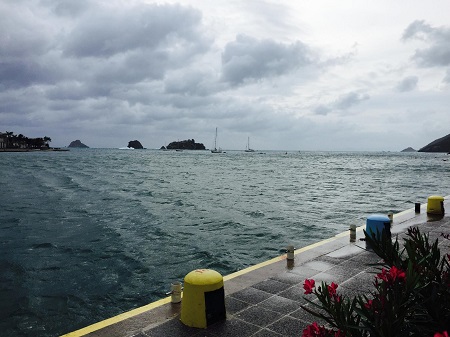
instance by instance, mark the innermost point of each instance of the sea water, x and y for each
(90, 233)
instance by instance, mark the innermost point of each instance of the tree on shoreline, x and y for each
(9, 140)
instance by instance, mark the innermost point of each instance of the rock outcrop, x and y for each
(78, 143)
(438, 145)
(408, 149)
(135, 144)
(189, 144)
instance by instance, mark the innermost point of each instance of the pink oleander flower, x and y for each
(443, 334)
(309, 286)
(332, 288)
(383, 275)
(311, 330)
(397, 274)
(368, 305)
(392, 275)
(315, 330)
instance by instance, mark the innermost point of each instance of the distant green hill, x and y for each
(439, 145)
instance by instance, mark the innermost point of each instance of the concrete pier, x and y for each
(264, 300)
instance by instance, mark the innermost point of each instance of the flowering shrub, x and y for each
(411, 295)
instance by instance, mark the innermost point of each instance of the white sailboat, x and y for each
(216, 150)
(248, 149)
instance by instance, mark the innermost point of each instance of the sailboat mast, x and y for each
(215, 140)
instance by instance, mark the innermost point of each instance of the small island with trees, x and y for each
(189, 144)
(10, 142)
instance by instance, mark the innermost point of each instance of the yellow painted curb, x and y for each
(116, 319)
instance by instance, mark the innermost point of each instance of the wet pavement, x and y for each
(265, 300)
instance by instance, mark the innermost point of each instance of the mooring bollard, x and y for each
(375, 224)
(175, 292)
(290, 252)
(435, 205)
(352, 233)
(203, 298)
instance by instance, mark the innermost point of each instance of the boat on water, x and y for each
(216, 150)
(248, 149)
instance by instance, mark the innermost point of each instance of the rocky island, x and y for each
(77, 143)
(408, 149)
(135, 144)
(438, 145)
(189, 144)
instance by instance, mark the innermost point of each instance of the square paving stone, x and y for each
(251, 295)
(293, 278)
(230, 328)
(259, 316)
(366, 257)
(352, 293)
(302, 271)
(307, 317)
(330, 259)
(288, 327)
(280, 304)
(342, 273)
(267, 333)
(295, 293)
(320, 266)
(171, 328)
(362, 282)
(234, 305)
(328, 278)
(271, 286)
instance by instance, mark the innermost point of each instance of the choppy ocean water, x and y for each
(91, 233)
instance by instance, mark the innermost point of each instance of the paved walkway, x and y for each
(265, 300)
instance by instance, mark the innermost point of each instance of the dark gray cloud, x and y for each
(350, 99)
(24, 73)
(68, 8)
(437, 38)
(157, 27)
(343, 103)
(22, 34)
(249, 59)
(407, 84)
(418, 30)
(96, 51)
(200, 82)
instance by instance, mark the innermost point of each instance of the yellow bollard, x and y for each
(203, 300)
(435, 205)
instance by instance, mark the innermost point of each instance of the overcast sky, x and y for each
(291, 75)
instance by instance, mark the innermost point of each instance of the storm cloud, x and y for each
(249, 59)
(437, 53)
(342, 103)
